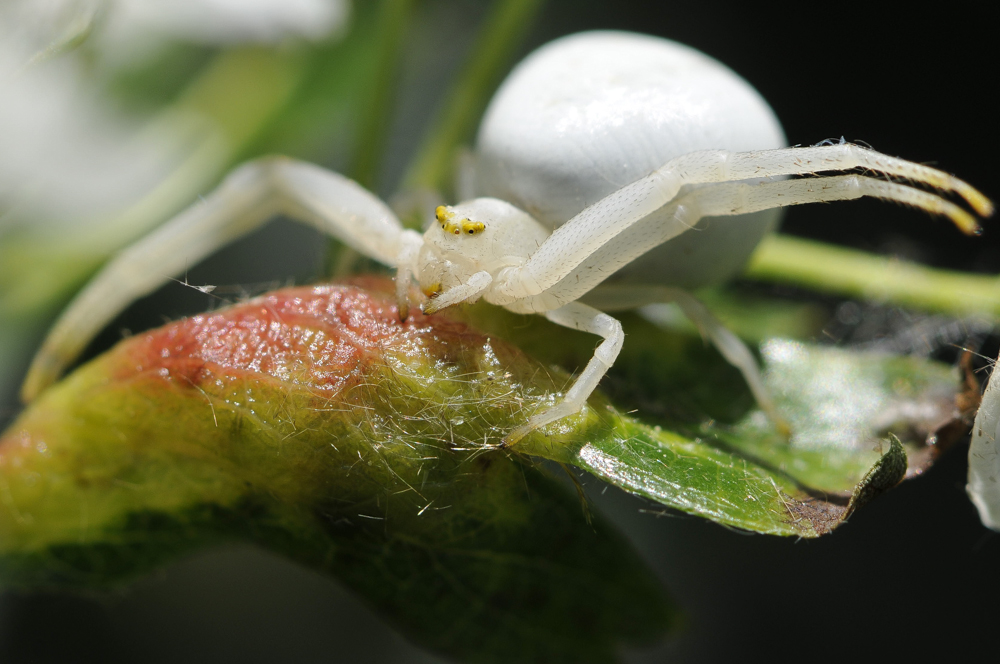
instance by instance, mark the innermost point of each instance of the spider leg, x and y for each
(721, 199)
(617, 297)
(578, 316)
(682, 214)
(723, 166)
(600, 224)
(729, 198)
(246, 199)
(724, 199)
(467, 292)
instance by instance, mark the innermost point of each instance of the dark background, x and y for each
(911, 576)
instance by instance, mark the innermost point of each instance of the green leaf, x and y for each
(698, 444)
(313, 423)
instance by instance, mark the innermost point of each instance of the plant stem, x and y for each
(463, 105)
(853, 273)
(393, 21)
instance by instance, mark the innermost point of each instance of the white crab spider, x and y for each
(631, 141)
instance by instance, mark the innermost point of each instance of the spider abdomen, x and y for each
(590, 113)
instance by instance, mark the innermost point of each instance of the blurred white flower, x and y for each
(136, 27)
(984, 456)
(68, 155)
(32, 28)
(221, 21)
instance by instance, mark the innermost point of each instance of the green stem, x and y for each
(853, 273)
(500, 35)
(393, 21)
(374, 111)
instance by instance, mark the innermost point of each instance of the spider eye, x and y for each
(443, 214)
(472, 227)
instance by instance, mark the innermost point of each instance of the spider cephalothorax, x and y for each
(471, 243)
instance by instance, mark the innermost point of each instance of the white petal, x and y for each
(224, 21)
(984, 457)
(66, 155)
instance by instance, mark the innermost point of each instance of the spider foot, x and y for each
(766, 404)
(537, 421)
(783, 427)
(516, 435)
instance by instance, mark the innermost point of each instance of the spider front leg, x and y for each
(609, 234)
(716, 166)
(578, 316)
(246, 199)
(732, 198)
(600, 225)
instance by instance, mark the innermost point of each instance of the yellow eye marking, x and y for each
(472, 227)
(433, 290)
(448, 224)
(443, 214)
(447, 220)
